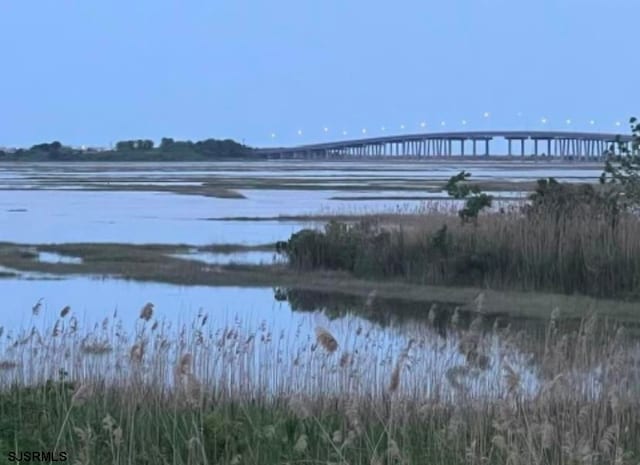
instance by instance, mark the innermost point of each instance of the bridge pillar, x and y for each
(535, 147)
(462, 147)
(474, 147)
(486, 147)
(522, 147)
(509, 147)
(548, 147)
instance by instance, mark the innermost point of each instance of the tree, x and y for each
(622, 170)
(125, 145)
(457, 188)
(166, 143)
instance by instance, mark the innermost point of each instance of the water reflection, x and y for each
(246, 342)
(254, 257)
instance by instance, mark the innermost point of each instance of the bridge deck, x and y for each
(559, 143)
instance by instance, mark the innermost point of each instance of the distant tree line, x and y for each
(134, 150)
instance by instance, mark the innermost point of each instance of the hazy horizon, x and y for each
(93, 74)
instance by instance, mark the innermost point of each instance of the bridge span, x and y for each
(566, 145)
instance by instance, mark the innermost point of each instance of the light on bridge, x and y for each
(326, 129)
(543, 120)
(618, 123)
(443, 123)
(464, 122)
(402, 126)
(383, 129)
(568, 121)
(486, 114)
(364, 131)
(273, 135)
(592, 122)
(299, 132)
(344, 133)
(423, 124)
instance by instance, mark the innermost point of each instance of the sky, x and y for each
(280, 72)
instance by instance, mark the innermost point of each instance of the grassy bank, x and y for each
(199, 397)
(156, 263)
(574, 250)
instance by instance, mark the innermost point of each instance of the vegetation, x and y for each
(134, 150)
(567, 238)
(476, 200)
(623, 169)
(459, 389)
(196, 396)
(583, 252)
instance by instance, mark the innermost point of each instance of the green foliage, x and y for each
(225, 436)
(135, 150)
(623, 169)
(570, 239)
(334, 248)
(457, 188)
(564, 201)
(129, 145)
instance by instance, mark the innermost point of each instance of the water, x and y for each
(256, 257)
(48, 203)
(51, 257)
(38, 205)
(280, 333)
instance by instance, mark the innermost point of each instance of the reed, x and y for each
(363, 398)
(582, 252)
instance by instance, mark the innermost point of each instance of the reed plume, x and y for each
(65, 311)
(147, 312)
(326, 340)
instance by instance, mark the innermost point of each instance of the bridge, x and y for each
(566, 145)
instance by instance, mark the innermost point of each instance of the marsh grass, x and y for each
(582, 252)
(195, 395)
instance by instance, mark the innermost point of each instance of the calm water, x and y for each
(34, 208)
(281, 333)
(38, 205)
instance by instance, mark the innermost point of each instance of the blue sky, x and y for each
(94, 72)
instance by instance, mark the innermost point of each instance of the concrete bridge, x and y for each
(567, 145)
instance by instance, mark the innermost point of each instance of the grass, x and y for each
(153, 263)
(200, 396)
(578, 250)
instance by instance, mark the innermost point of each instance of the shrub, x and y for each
(563, 201)
(457, 188)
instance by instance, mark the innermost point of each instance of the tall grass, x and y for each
(195, 395)
(583, 251)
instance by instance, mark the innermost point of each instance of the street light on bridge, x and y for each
(423, 124)
(299, 132)
(464, 122)
(364, 130)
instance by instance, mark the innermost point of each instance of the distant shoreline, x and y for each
(115, 157)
